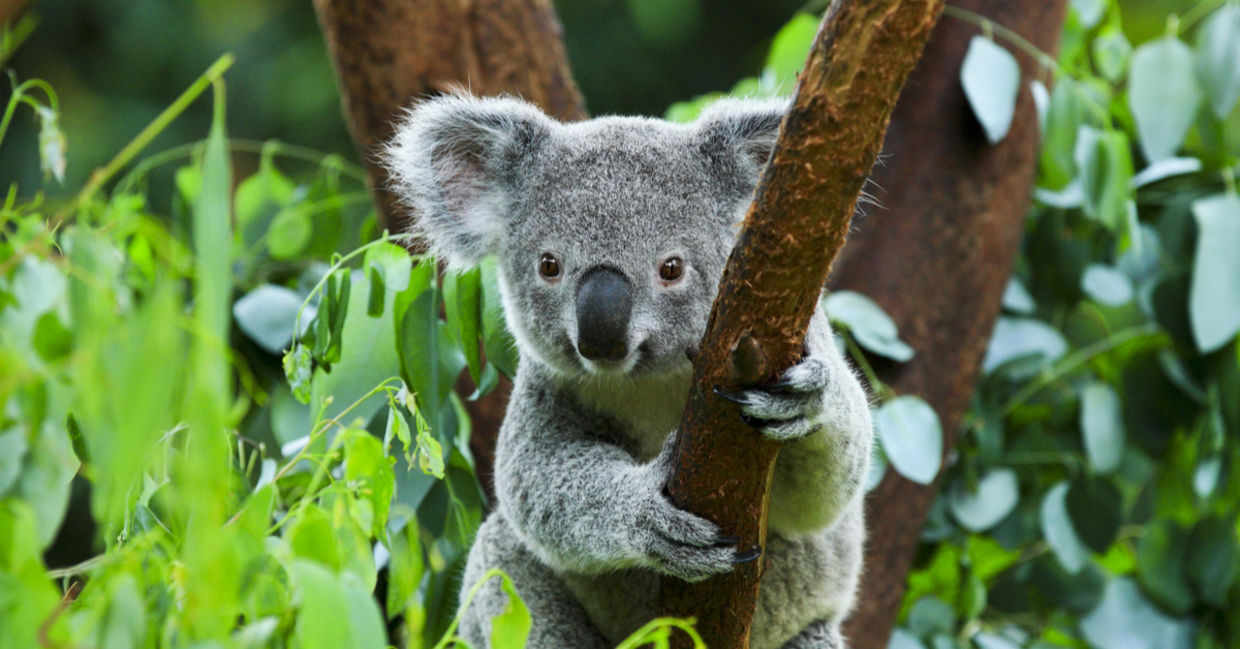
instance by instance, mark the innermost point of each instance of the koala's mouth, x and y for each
(639, 361)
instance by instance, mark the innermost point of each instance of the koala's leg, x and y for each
(819, 635)
(559, 622)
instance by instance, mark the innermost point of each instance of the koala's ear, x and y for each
(454, 162)
(737, 136)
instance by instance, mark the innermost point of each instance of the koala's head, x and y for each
(611, 234)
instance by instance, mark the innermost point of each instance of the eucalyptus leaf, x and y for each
(1096, 510)
(1016, 297)
(912, 437)
(1126, 620)
(990, 76)
(267, 315)
(1161, 559)
(1112, 51)
(870, 326)
(1019, 337)
(1102, 427)
(1163, 95)
(1105, 165)
(997, 494)
(1165, 168)
(1218, 50)
(1059, 532)
(1214, 295)
(1089, 11)
(1106, 285)
(1213, 559)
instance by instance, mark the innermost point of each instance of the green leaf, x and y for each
(1020, 337)
(997, 494)
(312, 536)
(1095, 507)
(1067, 112)
(1213, 559)
(430, 452)
(1102, 427)
(370, 361)
(511, 627)
(369, 471)
(267, 315)
(418, 346)
(1164, 169)
(44, 480)
(500, 346)
(290, 233)
(1059, 532)
(258, 199)
(1125, 620)
(930, 616)
(1160, 565)
(298, 369)
(1105, 165)
(1111, 52)
(335, 611)
(790, 49)
(991, 79)
(12, 452)
(912, 437)
(1106, 285)
(1214, 301)
(462, 294)
(1016, 298)
(1163, 95)
(1089, 11)
(901, 639)
(1218, 49)
(870, 326)
(51, 340)
(405, 568)
(392, 262)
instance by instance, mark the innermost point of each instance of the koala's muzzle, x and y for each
(604, 303)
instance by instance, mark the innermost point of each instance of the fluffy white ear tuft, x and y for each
(454, 162)
(737, 135)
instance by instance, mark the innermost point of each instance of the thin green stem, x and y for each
(1194, 15)
(1019, 42)
(144, 137)
(880, 389)
(386, 238)
(304, 154)
(1077, 359)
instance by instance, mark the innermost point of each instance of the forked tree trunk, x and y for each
(828, 141)
(936, 257)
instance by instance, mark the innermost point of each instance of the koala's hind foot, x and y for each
(819, 635)
(559, 622)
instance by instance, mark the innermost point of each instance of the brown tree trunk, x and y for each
(937, 258)
(388, 53)
(802, 206)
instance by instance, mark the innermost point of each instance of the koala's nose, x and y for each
(604, 302)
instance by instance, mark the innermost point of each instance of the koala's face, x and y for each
(611, 234)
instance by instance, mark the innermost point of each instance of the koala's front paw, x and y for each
(673, 541)
(790, 408)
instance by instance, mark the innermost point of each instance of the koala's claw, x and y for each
(748, 555)
(786, 409)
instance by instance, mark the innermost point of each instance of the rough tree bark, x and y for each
(937, 258)
(802, 207)
(387, 53)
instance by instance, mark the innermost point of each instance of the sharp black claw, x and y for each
(779, 386)
(724, 394)
(727, 540)
(755, 422)
(747, 555)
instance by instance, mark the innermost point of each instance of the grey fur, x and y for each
(582, 524)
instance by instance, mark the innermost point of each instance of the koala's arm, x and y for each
(819, 476)
(586, 506)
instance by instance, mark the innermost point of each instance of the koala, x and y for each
(611, 236)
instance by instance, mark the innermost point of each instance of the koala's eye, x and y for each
(549, 266)
(671, 270)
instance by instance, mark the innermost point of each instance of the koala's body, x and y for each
(611, 237)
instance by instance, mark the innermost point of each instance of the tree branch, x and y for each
(802, 208)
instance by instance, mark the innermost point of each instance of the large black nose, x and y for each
(604, 301)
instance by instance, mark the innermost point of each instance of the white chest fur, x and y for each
(649, 408)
